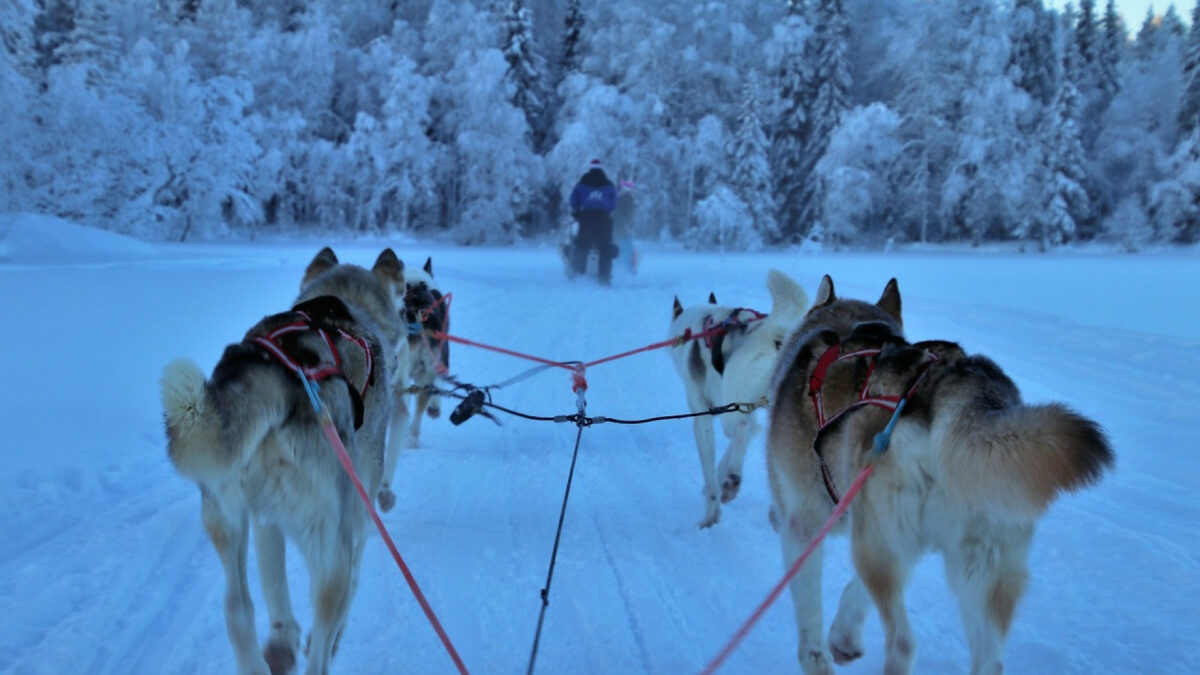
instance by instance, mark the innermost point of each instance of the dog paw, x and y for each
(412, 441)
(844, 651)
(434, 411)
(815, 662)
(730, 487)
(281, 658)
(387, 499)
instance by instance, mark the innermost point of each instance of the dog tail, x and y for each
(1018, 459)
(210, 429)
(787, 296)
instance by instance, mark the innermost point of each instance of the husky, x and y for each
(250, 439)
(732, 365)
(969, 471)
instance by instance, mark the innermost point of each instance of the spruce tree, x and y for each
(527, 72)
(830, 100)
(1189, 105)
(1032, 57)
(1111, 46)
(751, 177)
(573, 25)
(791, 124)
(1065, 203)
(1085, 36)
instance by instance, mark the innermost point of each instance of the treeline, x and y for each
(742, 123)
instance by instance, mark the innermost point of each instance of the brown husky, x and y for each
(252, 442)
(969, 471)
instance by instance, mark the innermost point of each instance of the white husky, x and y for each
(732, 365)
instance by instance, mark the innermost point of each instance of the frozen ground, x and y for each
(105, 568)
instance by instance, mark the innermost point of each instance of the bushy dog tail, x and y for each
(210, 429)
(1018, 459)
(787, 297)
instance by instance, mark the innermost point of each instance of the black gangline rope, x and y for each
(562, 514)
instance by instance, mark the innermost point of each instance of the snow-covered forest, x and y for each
(743, 123)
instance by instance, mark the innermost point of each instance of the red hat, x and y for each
(595, 164)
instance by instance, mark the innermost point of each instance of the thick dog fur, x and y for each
(969, 470)
(250, 439)
(739, 374)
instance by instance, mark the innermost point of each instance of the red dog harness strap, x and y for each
(817, 382)
(322, 370)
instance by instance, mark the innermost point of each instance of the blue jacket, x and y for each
(594, 192)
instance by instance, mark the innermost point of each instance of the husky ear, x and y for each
(677, 309)
(825, 294)
(389, 268)
(323, 261)
(890, 300)
(428, 266)
(712, 298)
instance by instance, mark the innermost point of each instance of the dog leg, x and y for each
(284, 638)
(988, 587)
(742, 428)
(884, 571)
(397, 427)
(846, 634)
(798, 528)
(705, 441)
(419, 408)
(230, 536)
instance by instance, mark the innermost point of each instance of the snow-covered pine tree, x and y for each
(1189, 106)
(16, 118)
(51, 29)
(751, 176)
(1174, 207)
(1086, 37)
(1032, 58)
(830, 101)
(572, 42)
(1064, 203)
(1112, 46)
(793, 82)
(527, 72)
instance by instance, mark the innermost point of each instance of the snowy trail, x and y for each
(103, 556)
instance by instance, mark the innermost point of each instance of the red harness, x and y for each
(322, 370)
(817, 381)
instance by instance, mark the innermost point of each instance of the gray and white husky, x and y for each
(424, 312)
(732, 366)
(969, 471)
(250, 439)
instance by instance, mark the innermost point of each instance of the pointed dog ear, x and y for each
(323, 261)
(890, 300)
(677, 309)
(712, 298)
(429, 266)
(389, 268)
(825, 294)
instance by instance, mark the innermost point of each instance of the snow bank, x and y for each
(36, 239)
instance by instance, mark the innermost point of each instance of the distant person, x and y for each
(592, 203)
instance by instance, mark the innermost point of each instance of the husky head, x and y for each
(832, 321)
(421, 293)
(842, 315)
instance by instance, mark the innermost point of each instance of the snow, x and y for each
(105, 568)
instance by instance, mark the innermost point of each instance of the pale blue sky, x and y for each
(1134, 11)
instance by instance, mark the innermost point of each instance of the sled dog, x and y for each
(969, 471)
(249, 437)
(733, 365)
(426, 312)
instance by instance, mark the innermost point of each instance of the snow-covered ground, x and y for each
(104, 567)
